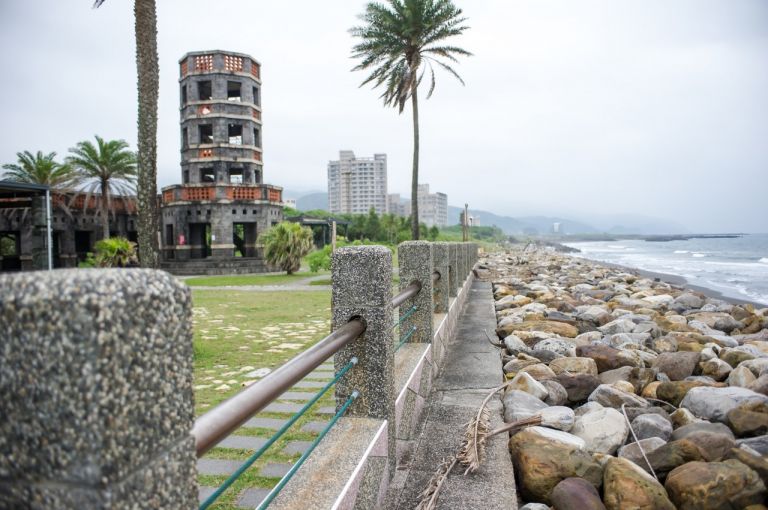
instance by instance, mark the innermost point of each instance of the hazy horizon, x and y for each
(596, 108)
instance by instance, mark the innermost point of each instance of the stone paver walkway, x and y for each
(470, 370)
(244, 439)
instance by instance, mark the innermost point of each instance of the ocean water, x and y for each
(736, 267)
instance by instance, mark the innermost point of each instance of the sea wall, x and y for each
(651, 395)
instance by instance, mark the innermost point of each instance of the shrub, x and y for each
(320, 259)
(285, 244)
(115, 252)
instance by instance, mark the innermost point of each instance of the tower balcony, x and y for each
(259, 193)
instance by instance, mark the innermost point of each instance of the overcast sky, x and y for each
(571, 107)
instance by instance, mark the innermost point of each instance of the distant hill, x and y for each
(615, 224)
(523, 225)
(312, 201)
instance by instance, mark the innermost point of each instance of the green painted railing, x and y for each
(276, 490)
(253, 458)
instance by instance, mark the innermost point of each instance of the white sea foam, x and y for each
(763, 260)
(699, 255)
(681, 251)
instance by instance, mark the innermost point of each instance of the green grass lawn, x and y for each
(249, 279)
(237, 332)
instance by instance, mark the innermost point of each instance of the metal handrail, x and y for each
(215, 425)
(404, 295)
(218, 423)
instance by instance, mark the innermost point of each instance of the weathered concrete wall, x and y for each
(96, 388)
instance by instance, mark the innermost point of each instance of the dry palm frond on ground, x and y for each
(472, 450)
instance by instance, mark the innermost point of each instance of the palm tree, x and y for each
(145, 15)
(285, 244)
(40, 169)
(396, 39)
(108, 168)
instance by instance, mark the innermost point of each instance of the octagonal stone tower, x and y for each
(222, 204)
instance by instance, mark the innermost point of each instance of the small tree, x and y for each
(285, 244)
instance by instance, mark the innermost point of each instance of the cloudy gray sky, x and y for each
(580, 108)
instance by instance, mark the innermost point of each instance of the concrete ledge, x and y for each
(348, 469)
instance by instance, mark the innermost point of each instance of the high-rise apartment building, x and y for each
(433, 207)
(357, 184)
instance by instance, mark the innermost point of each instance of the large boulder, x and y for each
(553, 327)
(674, 391)
(524, 382)
(714, 403)
(676, 453)
(620, 325)
(543, 458)
(610, 396)
(576, 494)
(557, 417)
(757, 463)
(603, 430)
(626, 485)
(557, 394)
(538, 371)
(574, 366)
(676, 365)
(741, 376)
(578, 387)
(606, 357)
(634, 451)
(519, 405)
(749, 419)
(714, 439)
(560, 346)
(715, 368)
(652, 425)
(714, 486)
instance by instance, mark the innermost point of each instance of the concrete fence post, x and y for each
(96, 388)
(415, 259)
(362, 287)
(453, 261)
(440, 259)
(468, 258)
(463, 262)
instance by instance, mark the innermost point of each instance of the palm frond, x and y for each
(472, 449)
(428, 497)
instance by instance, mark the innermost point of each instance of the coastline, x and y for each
(680, 281)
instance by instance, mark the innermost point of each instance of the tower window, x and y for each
(207, 175)
(256, 137)
(206, 133)
(183, 95)
(184, 139)
(236, 134)
(256, 96)
(236, 176)
(204, 90)
(233, 90)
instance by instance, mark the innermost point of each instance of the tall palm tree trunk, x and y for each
(148, 86)
(415, 177)
(104, 209)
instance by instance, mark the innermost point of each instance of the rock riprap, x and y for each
(608, 357)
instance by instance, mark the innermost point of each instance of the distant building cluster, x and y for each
(355, 185)
(433, 207)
